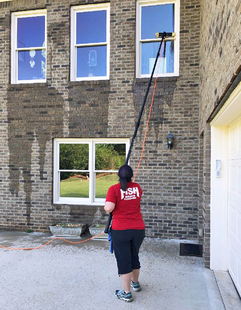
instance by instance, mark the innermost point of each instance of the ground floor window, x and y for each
(84, 169)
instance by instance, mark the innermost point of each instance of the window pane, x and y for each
(31, 32)
(91, 61)
(109, 156)
(74, 184)
(148, 56)
(31, 65)
(157, 18)
(103, 182)
(91, 27)
(74, 156)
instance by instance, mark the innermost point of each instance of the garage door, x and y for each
(234, 204)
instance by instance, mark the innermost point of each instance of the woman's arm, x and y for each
(109, 206)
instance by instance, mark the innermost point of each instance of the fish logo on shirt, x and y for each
(130, 193)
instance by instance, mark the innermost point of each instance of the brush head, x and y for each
(165, 35)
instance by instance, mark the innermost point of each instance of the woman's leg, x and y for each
(122, 249)
(126, 249)
(135, 275)
(137, 239)
(126, 281)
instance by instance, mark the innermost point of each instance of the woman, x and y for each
(128, 230)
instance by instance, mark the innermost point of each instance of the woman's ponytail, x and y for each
(123, 183)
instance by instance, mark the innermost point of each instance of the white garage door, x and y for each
(234, 204)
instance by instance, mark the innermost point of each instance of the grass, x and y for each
(76, 187)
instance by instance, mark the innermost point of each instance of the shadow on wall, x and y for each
(163, 95)
(34, 112)
(88, 113)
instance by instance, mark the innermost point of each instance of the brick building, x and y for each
(220, 143)
(71, 94)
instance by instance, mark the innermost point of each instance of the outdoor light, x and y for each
(170, 139)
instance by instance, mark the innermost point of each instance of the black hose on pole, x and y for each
(164, 34)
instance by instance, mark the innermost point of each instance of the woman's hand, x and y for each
(109, 206)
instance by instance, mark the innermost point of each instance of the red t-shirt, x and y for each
(127, 212)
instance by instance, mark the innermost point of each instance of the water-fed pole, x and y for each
(163, 36)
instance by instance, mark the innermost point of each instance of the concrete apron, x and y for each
(84, 276)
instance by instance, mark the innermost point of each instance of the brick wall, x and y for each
(33, 115)
(205, 196)
(220, 56)
(219, 50)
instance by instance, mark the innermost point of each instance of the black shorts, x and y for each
(126, 244)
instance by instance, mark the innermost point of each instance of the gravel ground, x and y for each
(84, 276)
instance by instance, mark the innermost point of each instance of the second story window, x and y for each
(153, 17)
(28, 61)
(90, 42)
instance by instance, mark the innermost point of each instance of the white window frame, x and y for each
(142, 3)
(91, 142)
(74, 46)
(15, 50)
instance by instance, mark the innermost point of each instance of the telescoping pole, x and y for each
(163, 36)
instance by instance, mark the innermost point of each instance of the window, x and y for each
(29, 47)
(85, 169)
(152, 17)
(90, 42)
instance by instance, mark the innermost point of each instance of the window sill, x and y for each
(81, 204)
(90, 82)
(26, 85)
(159, 79)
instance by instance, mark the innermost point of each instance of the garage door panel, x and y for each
(232, 263)
(232, 220)
(238, 225)
(235, 205)
(232, 180)
(233, 243)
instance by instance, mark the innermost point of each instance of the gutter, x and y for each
(236, 79)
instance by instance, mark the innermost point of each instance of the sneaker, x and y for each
(135, 286)
(123, 296)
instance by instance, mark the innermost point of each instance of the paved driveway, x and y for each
(84, 276)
